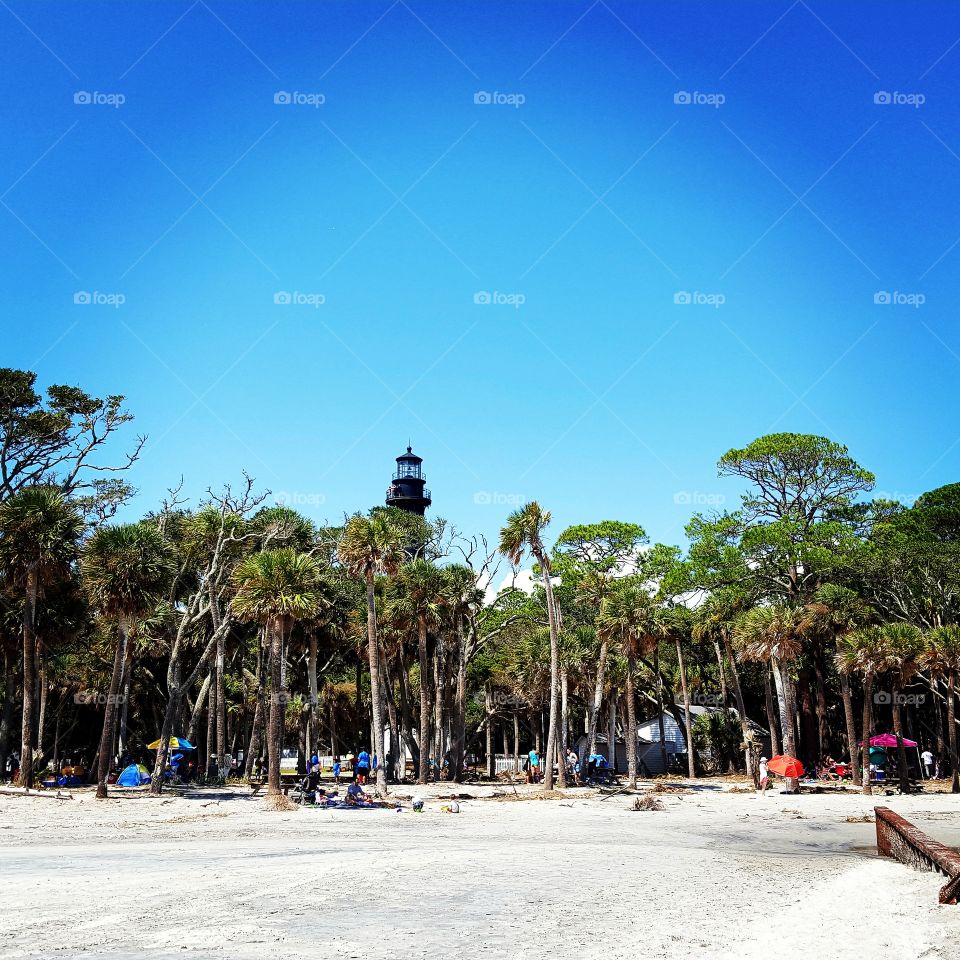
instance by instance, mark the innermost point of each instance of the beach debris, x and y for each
(796, 814)
(866, 818)
(278, 803)
(647, 803)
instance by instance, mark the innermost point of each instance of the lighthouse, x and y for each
(407, 490)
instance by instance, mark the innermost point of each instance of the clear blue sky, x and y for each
(597, 201)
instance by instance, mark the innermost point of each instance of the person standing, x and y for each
(533, 774)
(764, 777)
(928, 760)
(362, 767)
(336, 770)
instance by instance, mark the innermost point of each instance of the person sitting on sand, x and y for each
(356, 797)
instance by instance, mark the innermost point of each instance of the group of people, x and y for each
(533, 765)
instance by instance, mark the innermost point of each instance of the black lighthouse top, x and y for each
(407, 490)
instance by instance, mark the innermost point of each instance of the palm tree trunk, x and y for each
(29, 680)
(612, 733)
(314, 692)
(631, 722)
(771, 713)
(516, 742)
(488, 710)
(597, 699)
(723, 672)
(424, 771)
(691, 758)
(851, 726)
(110, 712)
(751, 767)
(867, 728)
(6, 716)
(660, 726)
(374, 658)
(789, 719)
(898, 731)
(952, 730)
(564, 714)
(278, 707)
(552, 731)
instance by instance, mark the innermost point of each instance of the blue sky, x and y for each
(578, 197)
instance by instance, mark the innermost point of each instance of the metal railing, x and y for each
(395, 493)
(900, 839)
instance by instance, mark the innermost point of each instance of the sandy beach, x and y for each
(713, 874)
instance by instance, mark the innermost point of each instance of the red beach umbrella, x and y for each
(786, 766)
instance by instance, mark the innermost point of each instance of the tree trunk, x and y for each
(867, 729)
(564, 715)
(631, 721)
(851, 727)
(771, 714)
(751, 767)
(373, 656)
(612, 733)
(516, 742)
(29, 680)
(488, 709)
(553, 729)
(898, 732)
(597, 700)
(314, 692)
(723, 673)
(6, 717)
(660, 727)
(789, 718)
(460, 717)
(278, 707)
(425, 739)
(110, 712)
(952, 730)
(691, 758)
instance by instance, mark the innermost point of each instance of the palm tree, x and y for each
(715, 619)
(368, 546)
(677, 625)
(771, 635)
(625, 614)
(39, 530)
(125, 571)
(278, 588)
(524, 531)
(942, 658)
(834, 612)
(592, 589)
(906, 647)
(420, 587)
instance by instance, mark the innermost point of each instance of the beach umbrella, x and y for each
(175, 743)
(786, 766)
(889, 740)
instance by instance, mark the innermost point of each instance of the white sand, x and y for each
(713, 875)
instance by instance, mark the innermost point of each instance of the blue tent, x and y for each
(136, 775)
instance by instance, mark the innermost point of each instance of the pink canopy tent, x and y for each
(889, 740)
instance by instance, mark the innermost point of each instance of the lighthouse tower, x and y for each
(407, 490)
